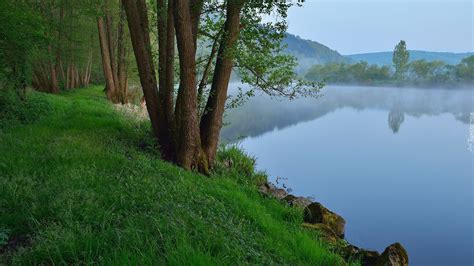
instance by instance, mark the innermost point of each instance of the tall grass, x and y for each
(84, 185)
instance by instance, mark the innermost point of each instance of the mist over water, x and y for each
(394, 162)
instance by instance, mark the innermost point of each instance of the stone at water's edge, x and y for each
(330, 226)
(393, 255)
(316, 213)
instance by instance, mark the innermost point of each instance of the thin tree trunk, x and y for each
(205, 73)
(57, 64)
(187, 127)
(122, 58)
(53, 86)
(106, 64)
(111, 47)
(211, 121)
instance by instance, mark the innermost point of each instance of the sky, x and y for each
(360, 26)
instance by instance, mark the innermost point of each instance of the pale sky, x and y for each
(359, 26)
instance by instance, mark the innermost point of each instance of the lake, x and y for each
(394, 162)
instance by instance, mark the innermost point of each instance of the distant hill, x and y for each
(310, 52)
(385, 58)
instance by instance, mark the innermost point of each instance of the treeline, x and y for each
(420, 72)
(54, 45)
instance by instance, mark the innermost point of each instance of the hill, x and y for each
(81, 183)
(310, 52)
(385, 58)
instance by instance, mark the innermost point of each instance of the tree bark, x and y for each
(57, 64)
(106, 63)
(166, 77)
(122, 58)
(187, 127)
(211, 122)
(111, 47)
(138, 24)
(195, 11)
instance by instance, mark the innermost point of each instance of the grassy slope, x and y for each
(76, 183)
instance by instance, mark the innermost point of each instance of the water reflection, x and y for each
(411, 183)
(395, 119)
(262, 113)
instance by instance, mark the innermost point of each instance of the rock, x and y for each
(324, 231)
(368, 257)
(301, 202)
(316, 213)
(353, 253)
(279, 193)
(393, 255)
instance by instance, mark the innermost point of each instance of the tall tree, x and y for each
(400, 60)
(189, 135)
(114, 52)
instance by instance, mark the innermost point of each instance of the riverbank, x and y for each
(82, 183)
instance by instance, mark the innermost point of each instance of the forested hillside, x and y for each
(309, 52)
(385, 58)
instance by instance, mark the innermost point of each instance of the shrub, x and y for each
(14, 110)
(233, 162)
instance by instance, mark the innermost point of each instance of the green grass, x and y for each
(85, 185)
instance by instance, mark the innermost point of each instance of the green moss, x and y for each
(79, 185)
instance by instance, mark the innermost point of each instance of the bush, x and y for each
(233, 162)
(14, 110)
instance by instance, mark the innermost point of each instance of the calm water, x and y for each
(393, 162)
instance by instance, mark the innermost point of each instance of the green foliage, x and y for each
(400, 60)
(28, 110)
(233, 161)
(21, 33)
(419, 73)
(78, 185)
(343, 73)
(465, 70)
(260, 58)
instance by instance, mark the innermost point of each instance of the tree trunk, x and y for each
(122, 58)
(111, 47)
(211, 121)
(57, 64)
(166, 77)
(195, 11)
(187, 127)
(53, 86)
(138, 24)
(106, 63)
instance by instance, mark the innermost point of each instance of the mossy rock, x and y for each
(393, 255)
(316, 213)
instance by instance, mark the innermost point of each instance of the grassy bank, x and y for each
(81, 183)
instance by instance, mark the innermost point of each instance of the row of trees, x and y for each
(418, 72)
(52, 45)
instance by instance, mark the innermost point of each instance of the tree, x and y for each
(400, 60)
(465, 69)
(114, 67)
(187, 126)
(21, 35)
